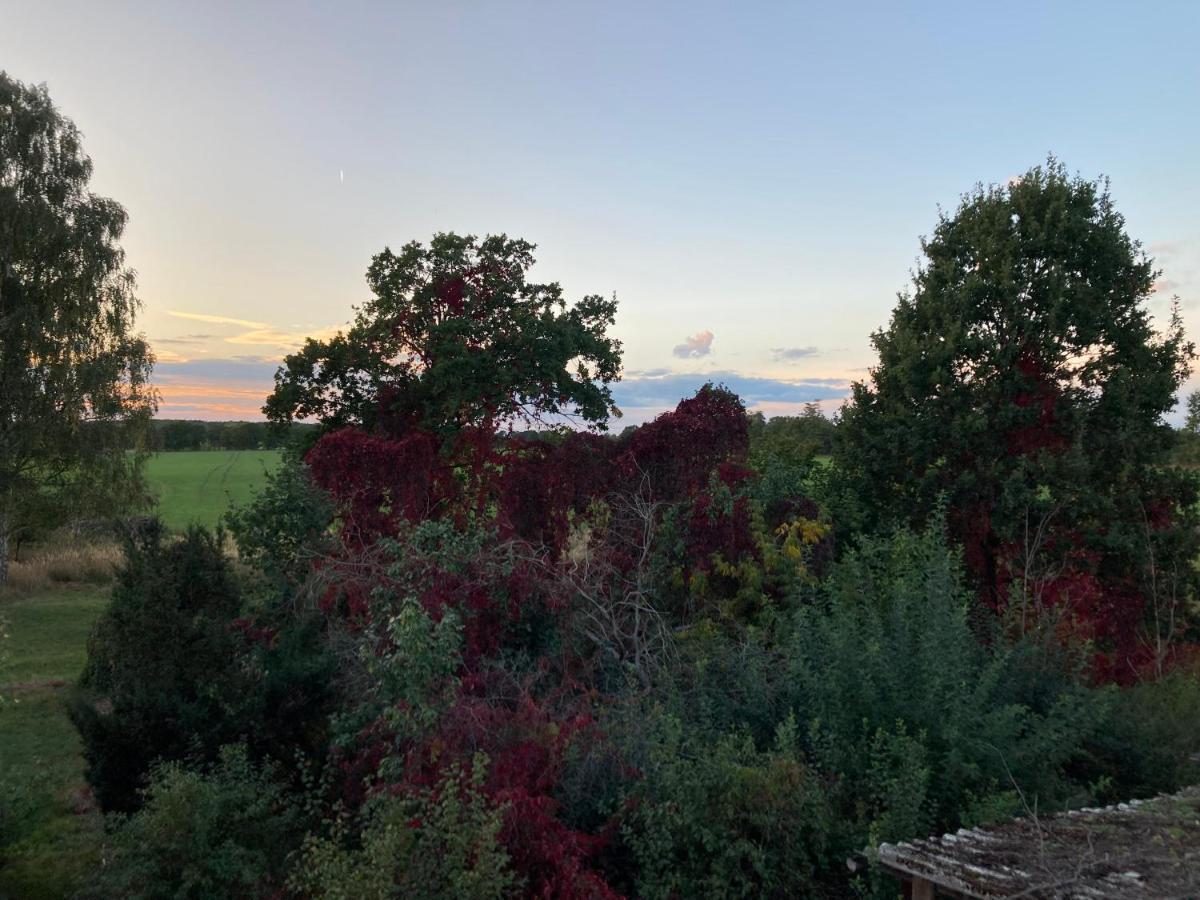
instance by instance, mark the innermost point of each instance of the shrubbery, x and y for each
(677, 690)
(176, 669)
(283, 530)
(437, 843)
(923, 726)
(220, 830)
(715, 816)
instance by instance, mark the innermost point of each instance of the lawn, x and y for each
(199, 486)
(49, 832)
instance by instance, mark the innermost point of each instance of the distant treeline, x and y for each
(811, 432)
(186, 434)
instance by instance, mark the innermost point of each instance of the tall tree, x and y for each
(1191, 424)
(1023, 382)
(456, 337)
(74, 390)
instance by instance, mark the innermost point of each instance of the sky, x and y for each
(751, 180)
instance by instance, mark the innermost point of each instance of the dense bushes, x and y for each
(175, 670)
(714, 816)
(222, 830)
(578, 668)
(285, 528)
(924, 727)
(436, 843)
(1149, 744)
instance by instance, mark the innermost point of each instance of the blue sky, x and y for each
(751, 180)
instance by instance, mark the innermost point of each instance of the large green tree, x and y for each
(1191, 422)
(1023, 382)
(74, 390)
(455, 336)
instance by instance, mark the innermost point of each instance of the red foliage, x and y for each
(347, 597)
(535, 494)
(374, 481)
(497, 606)
(1041, 430)
(719, 521)
(264, 636)
(541, 483)
(506, 595)
(678, 451)
(1104, 610)
(355, 767)
(526, 740)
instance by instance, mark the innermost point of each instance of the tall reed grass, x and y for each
(63, 561)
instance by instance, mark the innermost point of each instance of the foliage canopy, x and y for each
(1023, 380)
(74, 391)
(456, 336)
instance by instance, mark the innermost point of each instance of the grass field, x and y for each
(198, 486)
(49, 833)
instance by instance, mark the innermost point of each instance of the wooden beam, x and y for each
(922, 889)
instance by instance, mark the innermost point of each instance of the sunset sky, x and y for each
(750, 179)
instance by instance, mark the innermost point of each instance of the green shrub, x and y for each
(224, 831)
(716, 817)
(919, 723)
(442, 844)
(1151, 742)
(284, 527)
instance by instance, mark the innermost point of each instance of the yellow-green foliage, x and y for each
(221, 831)
(440, 845)
(716, 817)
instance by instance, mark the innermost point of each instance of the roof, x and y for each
(1147, 848)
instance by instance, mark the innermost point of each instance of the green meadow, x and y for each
(199, 486)
(50, 833)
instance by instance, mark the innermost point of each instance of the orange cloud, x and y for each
(210, 401)
(217, 320)
(280, 340)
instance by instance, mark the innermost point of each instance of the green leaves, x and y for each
(220, 831)
(440, 842)
(455, 337)
(74, 377)
(1024, 381)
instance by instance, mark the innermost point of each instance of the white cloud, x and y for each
(791, 354)
(699, 344)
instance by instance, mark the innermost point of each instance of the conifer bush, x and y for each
(162, 679)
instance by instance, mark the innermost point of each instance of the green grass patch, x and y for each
(49, 835)
(200, 486)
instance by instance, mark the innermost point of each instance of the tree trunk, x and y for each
(3, 550)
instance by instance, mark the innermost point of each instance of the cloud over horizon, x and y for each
(213, 388)
(699, 344)
(217, 320)
(237, 387)
(791, 354)
(642, 397)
